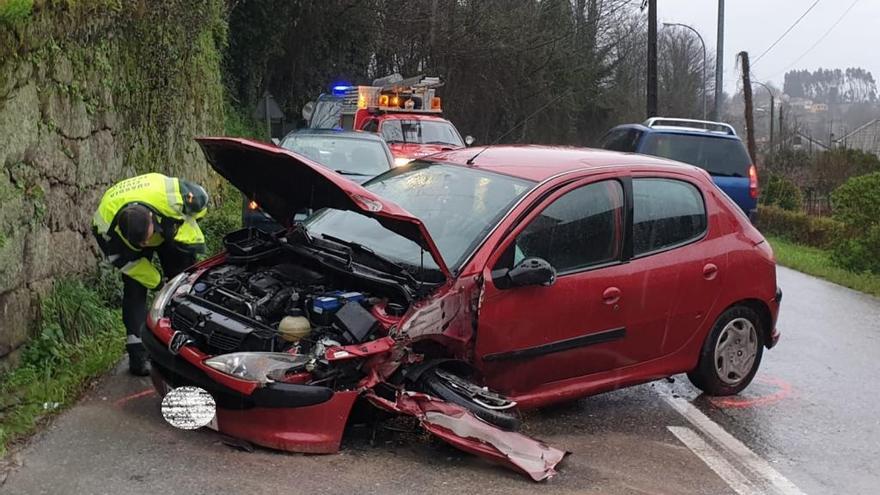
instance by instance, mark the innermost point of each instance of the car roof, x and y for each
(669, 129)
(336, 133)
(410, 116)
(538, 163)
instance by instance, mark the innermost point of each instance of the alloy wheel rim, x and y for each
(735, 351)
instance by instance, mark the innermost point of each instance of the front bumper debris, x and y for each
(311, 419)
(461, 429)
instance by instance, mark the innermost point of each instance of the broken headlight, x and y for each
(164, 295)
(263, 367)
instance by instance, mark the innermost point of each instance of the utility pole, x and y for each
(772, 110)
(747, 97)
(781, 129)
(652, 59)
(719, 63)
(704, 59)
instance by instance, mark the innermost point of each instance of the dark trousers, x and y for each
(134, 295)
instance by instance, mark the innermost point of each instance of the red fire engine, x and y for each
(405, 112)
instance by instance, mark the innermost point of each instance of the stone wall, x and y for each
(91, 92)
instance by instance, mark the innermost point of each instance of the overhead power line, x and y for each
(822, 38)
(786, 32)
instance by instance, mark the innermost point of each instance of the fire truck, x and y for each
(407, 113)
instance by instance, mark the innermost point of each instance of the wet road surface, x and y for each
(807, 425)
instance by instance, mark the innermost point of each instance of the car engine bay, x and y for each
(273, 301)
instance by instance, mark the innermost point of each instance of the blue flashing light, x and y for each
(340, 89)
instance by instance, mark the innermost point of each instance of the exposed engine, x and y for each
(275, 307)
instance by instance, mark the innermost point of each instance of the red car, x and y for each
(412, 135)
(460, 289)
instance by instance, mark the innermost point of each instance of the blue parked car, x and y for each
(712, 146)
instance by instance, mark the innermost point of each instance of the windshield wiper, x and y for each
(364, 249)
(348, 172)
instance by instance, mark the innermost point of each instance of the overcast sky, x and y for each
(753, 25)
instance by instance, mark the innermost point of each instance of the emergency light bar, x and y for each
(416, 94)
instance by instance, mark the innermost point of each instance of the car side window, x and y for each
(622, 140)
(666, 212)
(371, 125)
(582, 228)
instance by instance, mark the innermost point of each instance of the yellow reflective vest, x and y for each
(163, 195)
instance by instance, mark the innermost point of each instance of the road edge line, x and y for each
(716, 462)
(734, 447)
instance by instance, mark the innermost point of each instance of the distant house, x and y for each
(865, 138)
(818, 108)
(801, 103)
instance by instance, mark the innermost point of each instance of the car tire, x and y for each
(434, 385)
(731, 353)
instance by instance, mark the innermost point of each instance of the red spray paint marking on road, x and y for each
(783, 391)
(145, 393)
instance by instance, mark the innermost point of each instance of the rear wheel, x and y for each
(731, 354)
(484, 403)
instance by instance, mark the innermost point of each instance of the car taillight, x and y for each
(753, 182)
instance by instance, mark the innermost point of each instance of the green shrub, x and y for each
(859, 254)
(857, 205)
(223, 218)
(781, 192)
(13, 11)
(857, 202)
(238, 123)
(78, 338)
(820, 232)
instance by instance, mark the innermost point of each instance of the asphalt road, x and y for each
(807, 425)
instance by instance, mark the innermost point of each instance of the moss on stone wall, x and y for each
(92, 91)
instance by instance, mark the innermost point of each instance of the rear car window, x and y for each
(666, 213)
(718, 156)
(622, 140)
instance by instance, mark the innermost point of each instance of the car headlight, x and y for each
(263, 367)
(164, 295)
(400, 161)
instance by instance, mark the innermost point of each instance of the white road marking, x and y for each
(738, 450)
(714, 460)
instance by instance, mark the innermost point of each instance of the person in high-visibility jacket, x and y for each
(136, 218)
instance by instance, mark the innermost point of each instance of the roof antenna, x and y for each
(523, 121)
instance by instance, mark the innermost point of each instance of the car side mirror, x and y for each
(529, 272)
(469, 140)
(276, 142)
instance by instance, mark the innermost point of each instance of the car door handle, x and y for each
(710, 271)
(611, 295)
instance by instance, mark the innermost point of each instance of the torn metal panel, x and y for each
(461, 429)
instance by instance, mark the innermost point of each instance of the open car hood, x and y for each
(284, 183)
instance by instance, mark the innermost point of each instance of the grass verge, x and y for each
(80, 337)
(817, 262)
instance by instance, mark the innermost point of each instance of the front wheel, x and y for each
(484, 403)
(731, 354)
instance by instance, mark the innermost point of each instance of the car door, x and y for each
(677, 265)
(532, 335)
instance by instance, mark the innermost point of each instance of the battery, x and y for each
(332, 301)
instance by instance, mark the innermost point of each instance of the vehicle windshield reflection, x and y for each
(458, 206)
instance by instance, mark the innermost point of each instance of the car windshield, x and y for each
(718, 156)
(458, 206)
(421, 132)
(343, 154)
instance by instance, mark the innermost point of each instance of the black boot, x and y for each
(137, 360)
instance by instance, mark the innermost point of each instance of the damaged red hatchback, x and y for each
(461, 288)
